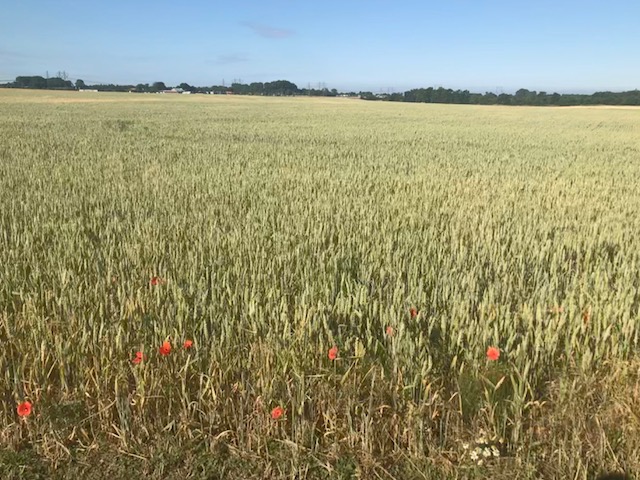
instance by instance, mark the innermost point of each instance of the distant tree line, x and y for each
(54, 83)
(286, 88)
(276, 88)
(521, 97)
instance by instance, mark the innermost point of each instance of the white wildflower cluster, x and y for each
(483, 449)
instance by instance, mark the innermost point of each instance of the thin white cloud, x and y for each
(267, 31)
(230, 59)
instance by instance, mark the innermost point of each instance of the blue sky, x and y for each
(481, 45)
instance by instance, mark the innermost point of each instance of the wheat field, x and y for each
(413, 238)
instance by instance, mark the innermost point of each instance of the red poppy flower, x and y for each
(413, 312)
(333, 353)
(390, 331)
(188, 344)
(157, 281)
(493, 353)
(277, 412)
(24, 409)
(165, 349)
(138, 358)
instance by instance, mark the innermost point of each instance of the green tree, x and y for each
(158, 87)
(520, 97)
(58, 83)
(256, 88)
(31, 82)
(186, 87)
(240, 88)
(542, 98)
(280, 87)
(504, 99)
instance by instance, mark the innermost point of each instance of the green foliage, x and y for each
(54, 83)
(158, 86)
(521, 97)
